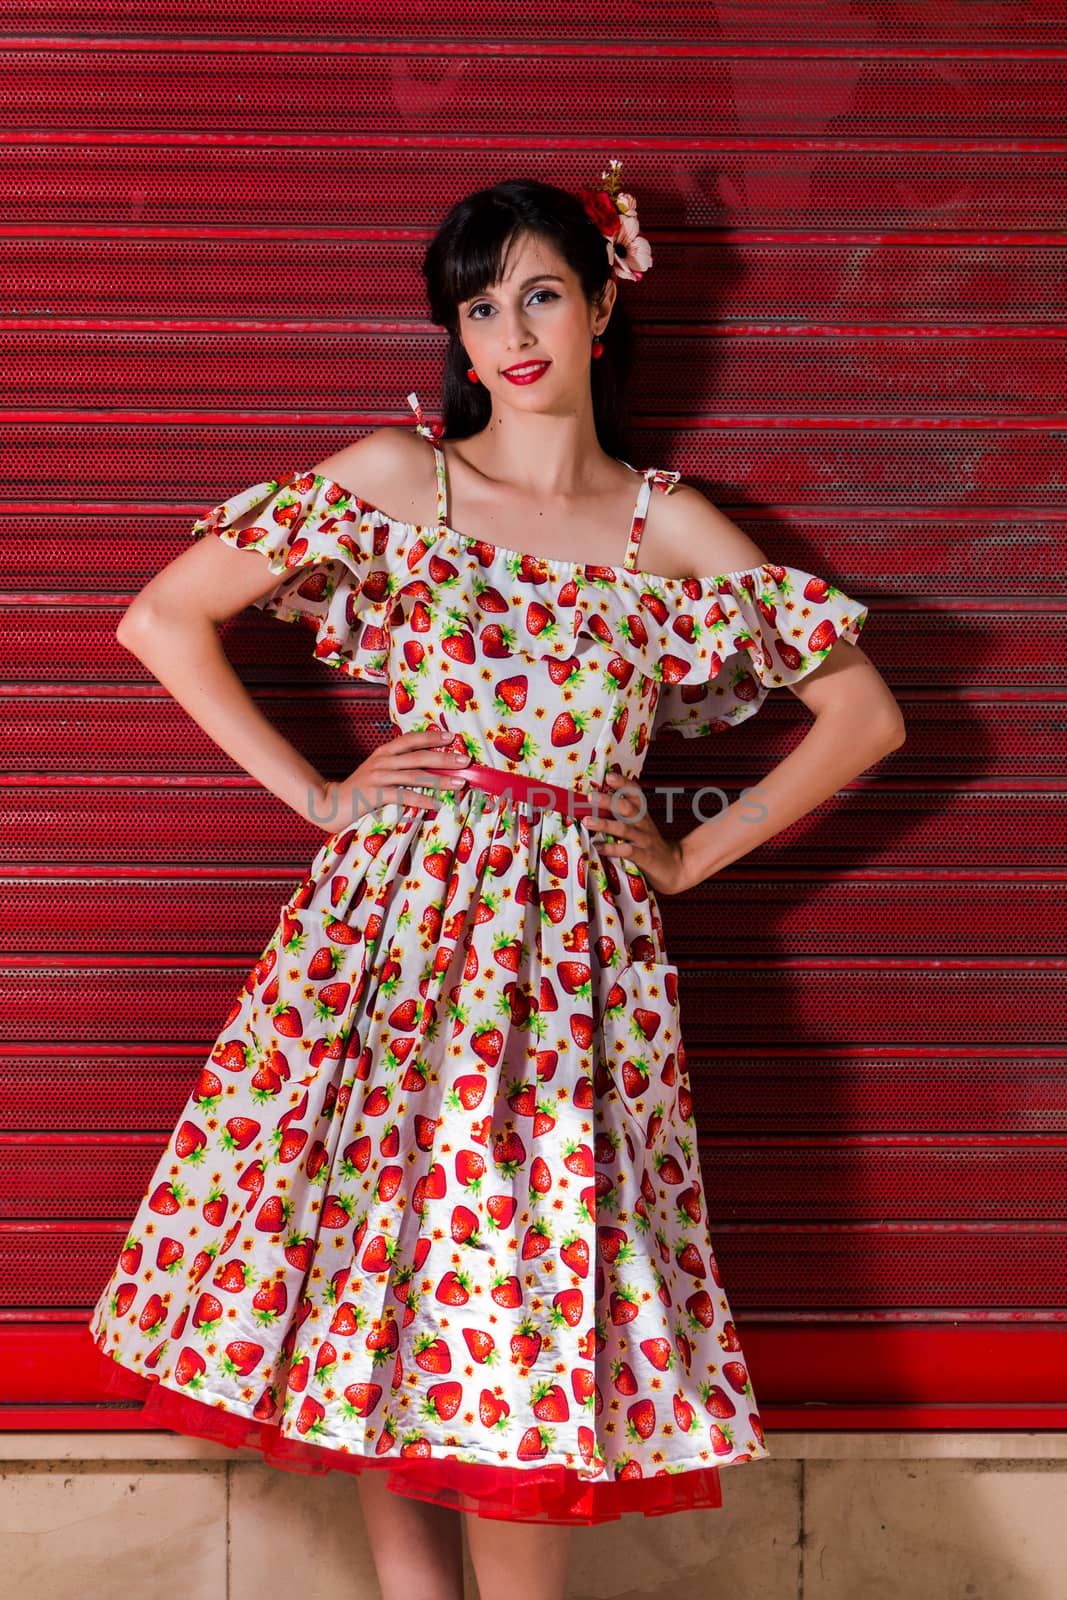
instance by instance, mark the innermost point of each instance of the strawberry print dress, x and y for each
(434, 1204)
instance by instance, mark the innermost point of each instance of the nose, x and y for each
(518, 334)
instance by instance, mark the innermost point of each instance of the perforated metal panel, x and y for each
(740, 369)
(852, 340)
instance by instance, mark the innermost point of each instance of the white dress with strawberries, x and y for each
(434, 1203)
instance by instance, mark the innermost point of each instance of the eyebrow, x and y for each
(540, 277)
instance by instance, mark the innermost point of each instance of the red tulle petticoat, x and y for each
(513, 1494)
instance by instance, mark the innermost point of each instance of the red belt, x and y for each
(537, 792)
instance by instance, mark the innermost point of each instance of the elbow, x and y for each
(872, 727)
(896, 733)
(887, 721)
(133, 627)
(145, 628)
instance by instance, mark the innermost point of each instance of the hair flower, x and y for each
(615, 214)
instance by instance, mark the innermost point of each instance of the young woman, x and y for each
(433, 1213)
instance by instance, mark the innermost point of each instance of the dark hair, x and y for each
(466, 257)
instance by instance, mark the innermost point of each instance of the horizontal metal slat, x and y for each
(824, 1004)
(741, 1092)
(694, 89)
(356, 283)
(864, 917)
(858, 1271)
(394, 182)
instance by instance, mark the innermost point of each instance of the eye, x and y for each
(484, 303)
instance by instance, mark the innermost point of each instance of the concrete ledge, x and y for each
(848, 1515)
(857, 1445)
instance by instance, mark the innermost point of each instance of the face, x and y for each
(537, 313)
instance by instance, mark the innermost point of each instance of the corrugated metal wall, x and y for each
(852, 341)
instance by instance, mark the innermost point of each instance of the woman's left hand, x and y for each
(636, 837)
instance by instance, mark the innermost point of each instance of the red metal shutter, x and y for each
(852, 341)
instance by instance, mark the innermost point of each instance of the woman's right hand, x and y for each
(382, 778)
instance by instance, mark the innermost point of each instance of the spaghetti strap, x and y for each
(667, 481)
(430, 432)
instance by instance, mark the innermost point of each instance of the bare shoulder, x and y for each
(689, 537)
(390, 468)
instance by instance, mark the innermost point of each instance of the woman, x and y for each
(435, 1204)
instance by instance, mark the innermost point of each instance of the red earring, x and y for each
(472, 375)
(598, 347)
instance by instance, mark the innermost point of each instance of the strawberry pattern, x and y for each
(434, 1203)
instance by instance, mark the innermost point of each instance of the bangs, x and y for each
(478, 258)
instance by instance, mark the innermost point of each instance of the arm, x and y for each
(171, 627)
(856, 720)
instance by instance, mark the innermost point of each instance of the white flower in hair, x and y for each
(615, 214)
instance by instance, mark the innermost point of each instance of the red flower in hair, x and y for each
(615, 214)
(602, 209)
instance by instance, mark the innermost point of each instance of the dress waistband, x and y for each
(537, 792)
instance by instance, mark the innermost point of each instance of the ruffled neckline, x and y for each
(712, 644)
(433, 533)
